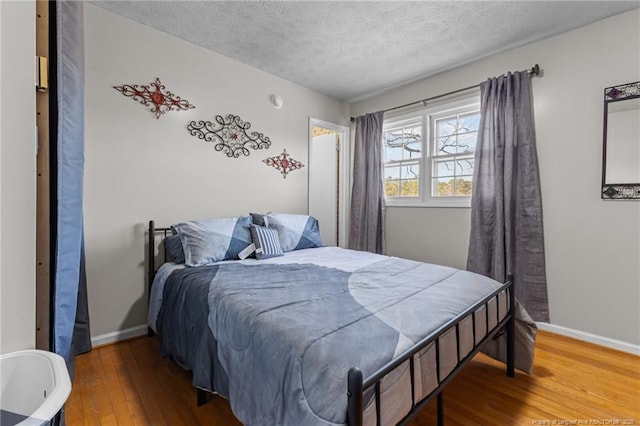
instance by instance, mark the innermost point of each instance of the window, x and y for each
(403, 152)
(429, 155)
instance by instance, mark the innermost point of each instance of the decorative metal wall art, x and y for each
(622, 91)
(230, 135)
(284, 163)
(621, 192)
(156, 96)
(620, 162)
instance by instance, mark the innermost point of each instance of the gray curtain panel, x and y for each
(506, 212)
(367, 196)
(506, 208)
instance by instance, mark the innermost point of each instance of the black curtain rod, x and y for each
(535, 70)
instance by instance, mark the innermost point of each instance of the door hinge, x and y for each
(338, 146)
(42, 74)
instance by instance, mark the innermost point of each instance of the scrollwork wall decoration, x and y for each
(155, 93)
(230, 135)
(283, 163)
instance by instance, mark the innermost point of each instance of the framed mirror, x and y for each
(621, 147)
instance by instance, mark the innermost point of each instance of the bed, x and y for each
(324, 336)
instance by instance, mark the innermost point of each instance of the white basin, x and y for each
(35, 386)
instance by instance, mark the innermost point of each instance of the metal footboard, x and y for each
(357, 385)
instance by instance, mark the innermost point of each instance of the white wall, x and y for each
(139, 168)
(592, 246)
(17, 176)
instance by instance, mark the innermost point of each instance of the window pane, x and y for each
(469, 122)
(410, 188)
(463, 186)
(392, 188)
(444, 168)
(393, 145)
(393, 137)
(444, 187)
(391, 173)
(412, 134)
(410, 172)
(448, 187)
(403, 144)
(464, 166)
(446, 127)
(446, 145)
(392, 153)
(467, 142)
(412, 150)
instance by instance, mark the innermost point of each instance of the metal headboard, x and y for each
(151, 271)
(153, 232)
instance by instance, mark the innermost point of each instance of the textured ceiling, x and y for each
(352, 49)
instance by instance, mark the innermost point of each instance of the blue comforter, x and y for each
(277, 340)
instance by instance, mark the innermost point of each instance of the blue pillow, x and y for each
(266, 242)
(173, 245)
(212, 240)
(295, 231)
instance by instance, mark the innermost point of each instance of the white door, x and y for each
(327, 189)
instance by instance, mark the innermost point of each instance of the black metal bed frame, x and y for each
(357, 385)
(151, 263)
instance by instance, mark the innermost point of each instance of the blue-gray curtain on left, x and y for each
(69, 285)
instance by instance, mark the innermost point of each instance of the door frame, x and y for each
(344, 196)
(43, 186)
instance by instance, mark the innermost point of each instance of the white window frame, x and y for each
(469, 103)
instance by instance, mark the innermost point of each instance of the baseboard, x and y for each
(116, 336)
(591, 338)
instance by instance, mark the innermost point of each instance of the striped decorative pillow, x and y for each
(266, 241)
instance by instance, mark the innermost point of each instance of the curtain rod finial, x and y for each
(535, 70)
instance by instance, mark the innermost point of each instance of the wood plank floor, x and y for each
(574, 382)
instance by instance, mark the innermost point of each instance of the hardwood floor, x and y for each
(573, 383)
